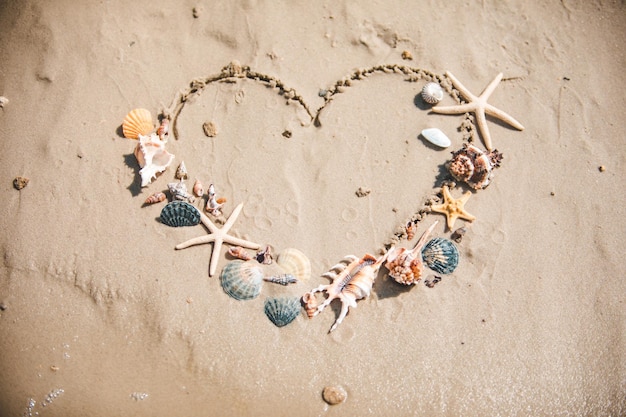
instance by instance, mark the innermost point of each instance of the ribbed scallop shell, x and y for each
(242, 280)
(441, 255)
(137, 122)
(283, 310)
(432, 93)
(180, 213)
(296, 263)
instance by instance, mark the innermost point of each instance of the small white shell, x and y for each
(436, 137)
(432, 93)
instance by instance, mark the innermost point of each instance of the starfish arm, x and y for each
(208, 223)
(460, 109)
(215, 256)
(464, 91)
(491, 87)
(450, 219)
(501, 115)
(235, 241)
(195, 241)
(481, 122)
(466, 216)
(232, 218)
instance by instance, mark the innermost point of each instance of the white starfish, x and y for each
(218, 237)
(479, 106)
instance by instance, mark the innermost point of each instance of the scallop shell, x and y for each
(180, 213)
(441, 255)
(137, 122)
(296, 263)
(436, 137)
(432, 93)
(283, 310)
(152, 157)
(242, 280)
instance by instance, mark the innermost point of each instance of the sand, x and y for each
(101, 316)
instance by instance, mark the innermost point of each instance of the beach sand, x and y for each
(101, 316)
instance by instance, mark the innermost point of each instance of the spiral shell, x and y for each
(432, 93)
(241, 280)
(474, 166)
(164, 129)
(180, 213)
(137, 122)
(198, 188)
(441, 255)
(155, 198)
(239, 253)
(310, 304)
(181, 172)
(296, 263)
(282, 310)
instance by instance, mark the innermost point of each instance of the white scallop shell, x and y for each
(432, 93)
(436, 137)
(294, 262)
(152, 157)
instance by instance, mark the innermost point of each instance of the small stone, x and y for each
(196, 12)
(334, 395)
(363, 192)
(601, 168)
(54, 368)
(3, 102)
(407, 55)
(552, 193)
(3, 307)
(287, 134)
(20, 182)
(210, 129)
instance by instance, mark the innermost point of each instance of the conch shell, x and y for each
(152, 157)
(474, 166)
(405, 265)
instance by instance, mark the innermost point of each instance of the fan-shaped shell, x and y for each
(137, 122)
(242, 280)
(296, 263)
(432, 93)
(283, 310)
(441, 255)
(180, 213)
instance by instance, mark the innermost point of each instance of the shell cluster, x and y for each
(242, 280)
(474, 166)
(180, 213)
(282, 310)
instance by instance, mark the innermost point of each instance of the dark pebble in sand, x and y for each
(20, 182)
(334, 395)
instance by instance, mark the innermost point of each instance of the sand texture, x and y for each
(315, 120)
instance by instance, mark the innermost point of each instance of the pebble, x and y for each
(20, 182)
(334, 395)
(601, 168)
(3, 101)
(407, 55)
(210, 129)
(363, 192)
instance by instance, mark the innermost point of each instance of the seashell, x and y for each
(282, 279)
(152, 157)
(283, 310)
(180, 213)
(474, 166)
(458, 234)
(179, 191)
(155, 198)
(198, 189)
(239, 253)
(432, 93)
(164, 129)
(242, 280)
(181, 172)
(296, 263)
(410, 230)
(436, 137)
(405, 265)
(137, 122)
(441, 255)
(265, 256)
(310, 304)
(214, 205)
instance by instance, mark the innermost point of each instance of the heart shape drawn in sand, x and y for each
(345, 179)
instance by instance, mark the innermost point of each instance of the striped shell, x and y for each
(432, 93)
(137, 122)
(241, 280)
(155, 198)
(296, 263)
(180, 213)
(441, 255)
(283, 310)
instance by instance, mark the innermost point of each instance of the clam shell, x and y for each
(180, 213)
(137, 122)
(296, 263)
(436, 137)
(441, 255)
(241, 280)
(432, 93)
(283, 310)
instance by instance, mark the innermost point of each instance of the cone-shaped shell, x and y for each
(241, 280)
(441, 255)
(180, 213)
(296, 263)
(137, 122)
(283, 310)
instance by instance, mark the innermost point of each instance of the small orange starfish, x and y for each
(453, 209)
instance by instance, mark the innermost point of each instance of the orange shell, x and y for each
(155, 198)
(137, 122)
(310, 304)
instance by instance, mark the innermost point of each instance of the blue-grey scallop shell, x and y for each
(180, 213)
(283, 310)
(440, 255)
(242, 280)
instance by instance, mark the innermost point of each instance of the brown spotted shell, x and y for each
(474, 166)
(137, 122)
(405, 266)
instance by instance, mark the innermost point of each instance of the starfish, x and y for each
(453, 209)
(218, 237)
(480, 107)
